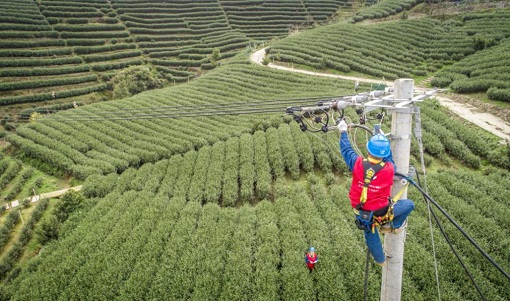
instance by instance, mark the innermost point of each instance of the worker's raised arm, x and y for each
(390, 159)
(346, 149)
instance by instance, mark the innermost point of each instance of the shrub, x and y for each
(53, 20)
(48, 231)
(444, 79)
(134, 80)
(10, 127)
(48, 96)
(30, 44)
(46, 83)
(26, 202)
(68, 204)
(109, 20)
(116, 65)
(99, 185)
(84, 42)
(498, 94)
(77, 21)
(112, 56)
(94, 35)
(35, 53)
(476, 85)
(25, 72)
(8, 224)
(207, 66)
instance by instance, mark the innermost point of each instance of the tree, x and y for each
(49, 230)
(215, 56)
(134, 80)
(69, 203)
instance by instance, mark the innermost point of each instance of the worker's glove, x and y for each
(342, 126)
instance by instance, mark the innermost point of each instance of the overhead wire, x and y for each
(167, 115)
(182, 111)
(445, 235)
(452, 221)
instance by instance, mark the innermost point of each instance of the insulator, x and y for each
(359, 98)
(376, 94)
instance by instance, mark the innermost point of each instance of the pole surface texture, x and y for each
(401, 124)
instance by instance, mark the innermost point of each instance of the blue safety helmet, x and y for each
(379, 146)
(312, 249)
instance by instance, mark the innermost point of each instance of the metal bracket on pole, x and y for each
(389, 100)
(401, 137)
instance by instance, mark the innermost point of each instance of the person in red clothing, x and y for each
(370, 191)
(311, 259)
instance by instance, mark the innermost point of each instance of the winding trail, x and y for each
(486, 121)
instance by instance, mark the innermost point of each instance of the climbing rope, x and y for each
(429, 209)
(365, 287)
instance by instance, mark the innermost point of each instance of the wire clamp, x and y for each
(401, 137)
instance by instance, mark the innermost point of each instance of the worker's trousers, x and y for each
(400, 212)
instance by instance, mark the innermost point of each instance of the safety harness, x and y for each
(369, 220)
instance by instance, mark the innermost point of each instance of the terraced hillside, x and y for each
(36, 58)
(180, 34)
(487, 70)
(56, 49)
(390, 50)
(410, 48)
(222, 205)
(383, 9)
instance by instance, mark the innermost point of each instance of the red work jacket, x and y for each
(379, 189)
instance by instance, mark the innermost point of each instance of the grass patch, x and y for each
(16, 231)
(34, 247)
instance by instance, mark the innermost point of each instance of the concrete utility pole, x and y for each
(401, 125)
(402, 105)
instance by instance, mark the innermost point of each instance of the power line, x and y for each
(441, 228)
(165, 115)
(183, 111)
(471, 240)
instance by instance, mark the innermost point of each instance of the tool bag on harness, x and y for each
(368, 220)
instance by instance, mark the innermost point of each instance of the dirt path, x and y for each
(487, 121)
(47, 195)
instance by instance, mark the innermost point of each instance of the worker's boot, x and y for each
(388, 228)
(381, 263)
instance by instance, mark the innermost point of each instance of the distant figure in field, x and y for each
(311, 259)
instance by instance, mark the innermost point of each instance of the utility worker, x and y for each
(370, 191)
(311, 259)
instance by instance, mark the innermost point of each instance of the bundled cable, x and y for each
(471, 240)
